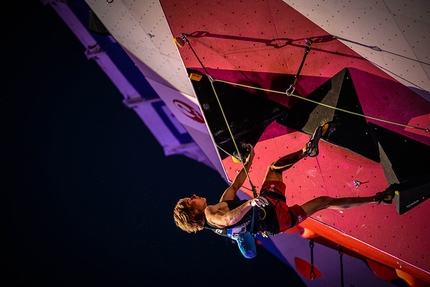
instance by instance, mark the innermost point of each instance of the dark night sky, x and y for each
(87, 192)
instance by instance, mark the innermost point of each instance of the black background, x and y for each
(87, 192)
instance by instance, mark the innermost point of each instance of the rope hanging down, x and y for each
(290, 91)
(211, 80)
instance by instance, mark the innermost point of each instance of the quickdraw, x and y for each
(292, 87)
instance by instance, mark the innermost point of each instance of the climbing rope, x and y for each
(211, 80)
(290, 91)
(325, 105)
